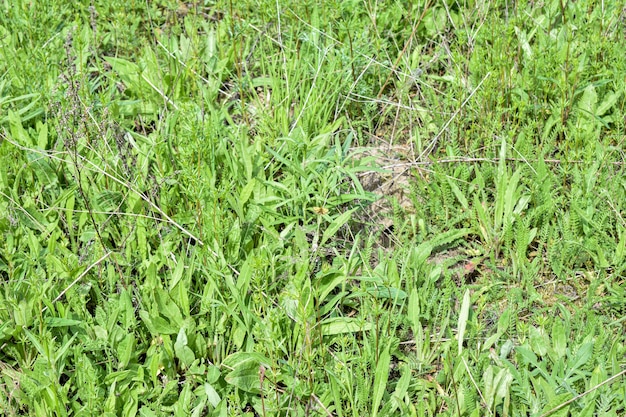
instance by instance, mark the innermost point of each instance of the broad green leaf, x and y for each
(177, 274)
(341, 325)
(246, 377)
(559, 340)
(387, 293)
(42, 137)
(598, 375)
(239, 358)
(485, 224)
(328, 282)
(346, 198)
(42, 168)
(144, 411)
(157, 325)
(502, 182)
(584, 353)
(523, 42)
(503, 324)
(539, 341)
(62, 322)
(245, 370)
(130, 404)
(402, 386)
(458, 193)
(381, 377)
(22, 109)
(118, 376)
(588, 100)
(296, 168)
(391, 273)
(246, 192)
(335, 225)
(62, 351)
(168, 308)
(212, 395)
(163, 326)
(497, 387)
(504, 321)
(36, 343)
(488, 381)
(125, 350)
(609, 101)
(109, 201)
(18, 133)
(414, 309)
(502, 383)
(530, 358)
(127, 310)
(128, 71)
(182, 351)
(589, 410)
(511, 193)
(142, 245)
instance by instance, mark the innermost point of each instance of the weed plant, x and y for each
(188, 230)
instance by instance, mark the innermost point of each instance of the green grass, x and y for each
(345, 208)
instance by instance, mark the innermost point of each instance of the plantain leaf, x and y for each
(341, 325)
(245, 370)
(380, 379)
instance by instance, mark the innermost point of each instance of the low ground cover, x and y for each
(340, 209)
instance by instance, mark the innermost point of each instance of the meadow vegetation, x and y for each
(335, 208)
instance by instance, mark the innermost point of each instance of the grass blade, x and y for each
(463, 316)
